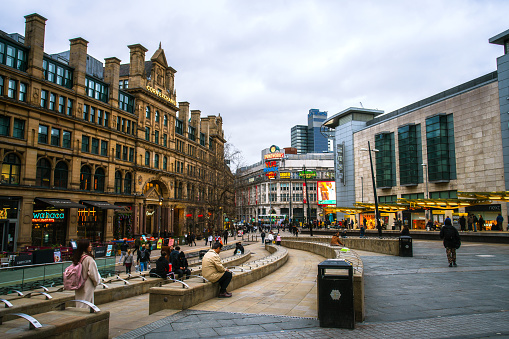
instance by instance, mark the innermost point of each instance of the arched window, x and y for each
(147, 112)
(118, 182)
(147, 158)
(61, 175)
(11, 169)
(99, 180)
(165, 120)
(165, 163)
(157, 116)
(85, 178)
(156, 160)
(127, 183)
(43, 174)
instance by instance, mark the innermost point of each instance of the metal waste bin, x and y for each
(405, 246)
(202, 253)
(335, 294)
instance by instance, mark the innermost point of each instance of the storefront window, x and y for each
(49, 226)
(118, 182)
(127, 183)
(8, 225)
(91, 224)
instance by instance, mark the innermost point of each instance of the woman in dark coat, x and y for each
(451, 241)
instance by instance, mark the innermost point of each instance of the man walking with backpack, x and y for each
(451, 241)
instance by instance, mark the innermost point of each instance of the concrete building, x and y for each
(454, 141)
(97, 151)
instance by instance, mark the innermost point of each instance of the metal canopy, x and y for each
(104, 205)
(60, 203)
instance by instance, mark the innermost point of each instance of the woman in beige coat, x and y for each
(89, 272)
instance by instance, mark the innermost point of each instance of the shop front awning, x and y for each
(495, 196)
(103, 205)
(346, 210)
(446, 204)
(389, 208)
(60, 203)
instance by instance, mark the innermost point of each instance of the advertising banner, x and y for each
(326, 192)
(109, 250)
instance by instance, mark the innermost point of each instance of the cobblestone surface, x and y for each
(417, 297)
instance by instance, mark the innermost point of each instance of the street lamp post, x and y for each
(307, 199)
(160, 216)
(362, 189)
(425, 169)
(377, 214)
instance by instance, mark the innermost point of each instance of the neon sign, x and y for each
(38, 217)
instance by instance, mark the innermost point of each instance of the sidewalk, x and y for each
(417, 297)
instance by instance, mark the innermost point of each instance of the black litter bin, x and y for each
(405, 246)
(335, 294)
(202, 253)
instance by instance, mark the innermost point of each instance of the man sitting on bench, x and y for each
(214, 271)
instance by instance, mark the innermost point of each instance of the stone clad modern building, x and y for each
(452, 142)
(99, 151)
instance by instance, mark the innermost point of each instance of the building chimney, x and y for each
(111, 76)
(137, 66)
(78, 60)
(35, 26)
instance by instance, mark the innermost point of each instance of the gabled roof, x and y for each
(159, 57)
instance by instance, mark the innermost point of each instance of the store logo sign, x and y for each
(47, 217)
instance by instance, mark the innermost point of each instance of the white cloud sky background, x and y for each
(263, 64)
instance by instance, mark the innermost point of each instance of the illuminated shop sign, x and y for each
(39, 217)
(284, 175)
(277, 155)
(161, 95)
(272, 162)
(3, 213)
(307, 174)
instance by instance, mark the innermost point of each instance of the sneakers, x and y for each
(454, 264)
(225, 295)
(450, 265)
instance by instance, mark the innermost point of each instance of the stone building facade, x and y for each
(99, 151)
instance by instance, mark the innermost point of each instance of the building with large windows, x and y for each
(308, 138)
(430, 153)
(97, 150)
(275, 190)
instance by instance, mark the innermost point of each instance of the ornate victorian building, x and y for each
(97, 150)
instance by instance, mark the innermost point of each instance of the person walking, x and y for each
(123, 251)
(211, 238)
(225, 237)
(143, 257)
(263, 237)
(128, 262)
(278, 239)
(451, 241)
(89, 272)
(270, 237)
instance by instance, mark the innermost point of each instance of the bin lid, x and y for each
(334, 263)
(405, 237)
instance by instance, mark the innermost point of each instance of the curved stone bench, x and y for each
(117, 289)
(334, 252)
(386, 245)
(173, 296)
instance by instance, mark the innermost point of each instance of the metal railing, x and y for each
(31, 277)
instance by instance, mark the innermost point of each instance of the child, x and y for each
(128, 262)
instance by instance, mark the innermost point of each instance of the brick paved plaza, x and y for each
(418, 297)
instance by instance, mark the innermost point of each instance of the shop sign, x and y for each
(484, 208)
(340, 164)
(23, 259)
(109, 250)
(284, 175)
(3, 213)
(46, 217)
(100, 251)
(189, 215)
(307, 174)
(161, 95)
(438, 211)
(250, 180)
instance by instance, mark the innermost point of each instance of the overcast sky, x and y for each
(263, 64)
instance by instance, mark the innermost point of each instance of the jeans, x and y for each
(143, 266)
(122, 254)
